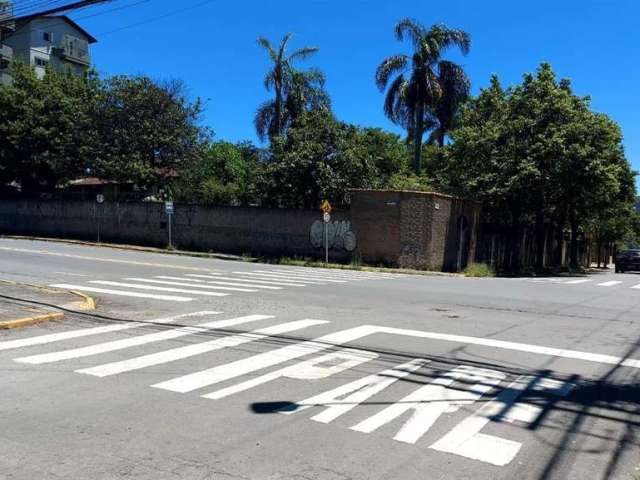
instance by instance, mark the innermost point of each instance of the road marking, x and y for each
(100, 259)
(156, 288)
(137, 340)
(307, 370)
(190, 285)
(121, 293)
(204, 378)
(576, 282)
(637, 287)
(85, 332)
(265, 282)
(228, 284)
(431, 401)
(335, 402)
(269, 276)
(609, 284)
(238, 368)
(295, 276)
(466, 440)
(195, 349)
(313, 276)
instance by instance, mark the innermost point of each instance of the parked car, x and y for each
(628, 260)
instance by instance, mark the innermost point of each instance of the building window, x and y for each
(41, 62)
(47, 37)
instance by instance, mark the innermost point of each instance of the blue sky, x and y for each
(213, 49)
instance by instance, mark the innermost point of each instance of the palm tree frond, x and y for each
(266, 44)
(303, 53)
(263, 120)
(390, 66)
(408, 27)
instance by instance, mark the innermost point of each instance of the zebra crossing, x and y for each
(441, 394)
(591, 282)
(190, 286)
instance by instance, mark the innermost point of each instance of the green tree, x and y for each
(536, 155)
(146, 130)
(45, 127)
(225, 174)
(429, 95)
(295, 91)
(321, 158)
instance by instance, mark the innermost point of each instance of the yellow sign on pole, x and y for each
(326, 207)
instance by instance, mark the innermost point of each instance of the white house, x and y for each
(57, 41)
(6, 29)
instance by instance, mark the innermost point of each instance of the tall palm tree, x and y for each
(427, 90)
(271, 116)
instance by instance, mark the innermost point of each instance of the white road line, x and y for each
(319, 276)
(637, 287)
(576, 282)
(313, 369)
(137, 340)
(122, 293)
(313, 278)
(101, 259)
(228, 284)
(261, 282)
(335, 271)
(238, 368)
(609, 284)
(196, 349)
(85, 332)
(196, 380)
(190, 285)
(157, 288)
(278, 277)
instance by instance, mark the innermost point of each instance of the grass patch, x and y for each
(479, 270)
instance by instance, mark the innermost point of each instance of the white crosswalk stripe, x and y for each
(269, 276)
(190, 285)
(137, 340)
(196, 349)
(314, 278)
(85, 332)
(122, 293)
(613, 283)
(225, 284)
(577, 282)
(216, 276)
(155, 288)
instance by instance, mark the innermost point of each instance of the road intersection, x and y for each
(292, 373)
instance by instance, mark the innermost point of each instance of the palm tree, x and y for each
(428, 97)
(271, 117)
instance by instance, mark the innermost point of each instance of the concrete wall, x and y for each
(414, 229)
(221, 229)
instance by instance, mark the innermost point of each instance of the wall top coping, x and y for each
(412, 192)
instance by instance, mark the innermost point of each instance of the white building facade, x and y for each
(55, 41)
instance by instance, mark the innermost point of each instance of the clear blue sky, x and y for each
(213, 49)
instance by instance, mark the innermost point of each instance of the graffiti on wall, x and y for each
(339, 235)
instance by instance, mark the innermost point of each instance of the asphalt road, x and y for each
(209, 369)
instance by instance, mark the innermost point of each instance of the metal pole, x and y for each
(99, 221)
(170, 229)
(326, 243)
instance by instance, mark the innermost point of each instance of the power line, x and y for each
(154, 19)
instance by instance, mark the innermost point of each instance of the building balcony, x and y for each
(74, 50)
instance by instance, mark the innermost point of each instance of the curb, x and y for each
(24, 322)
(87, 303)
(135, 248)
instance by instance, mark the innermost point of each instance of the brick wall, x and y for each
(414, 229)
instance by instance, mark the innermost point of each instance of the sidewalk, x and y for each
(23, 304)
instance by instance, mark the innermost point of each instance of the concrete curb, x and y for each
(26, 321)
(135, 248)
(86, 303)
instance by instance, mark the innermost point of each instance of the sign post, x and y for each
(168, 208)
(100, 201)
(326, 218)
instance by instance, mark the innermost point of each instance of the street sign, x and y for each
(326, 217)
(168, 208)
(100, 198)
(326, 207)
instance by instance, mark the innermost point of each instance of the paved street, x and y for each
(208, 369)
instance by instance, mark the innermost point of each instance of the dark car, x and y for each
(628, 260)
